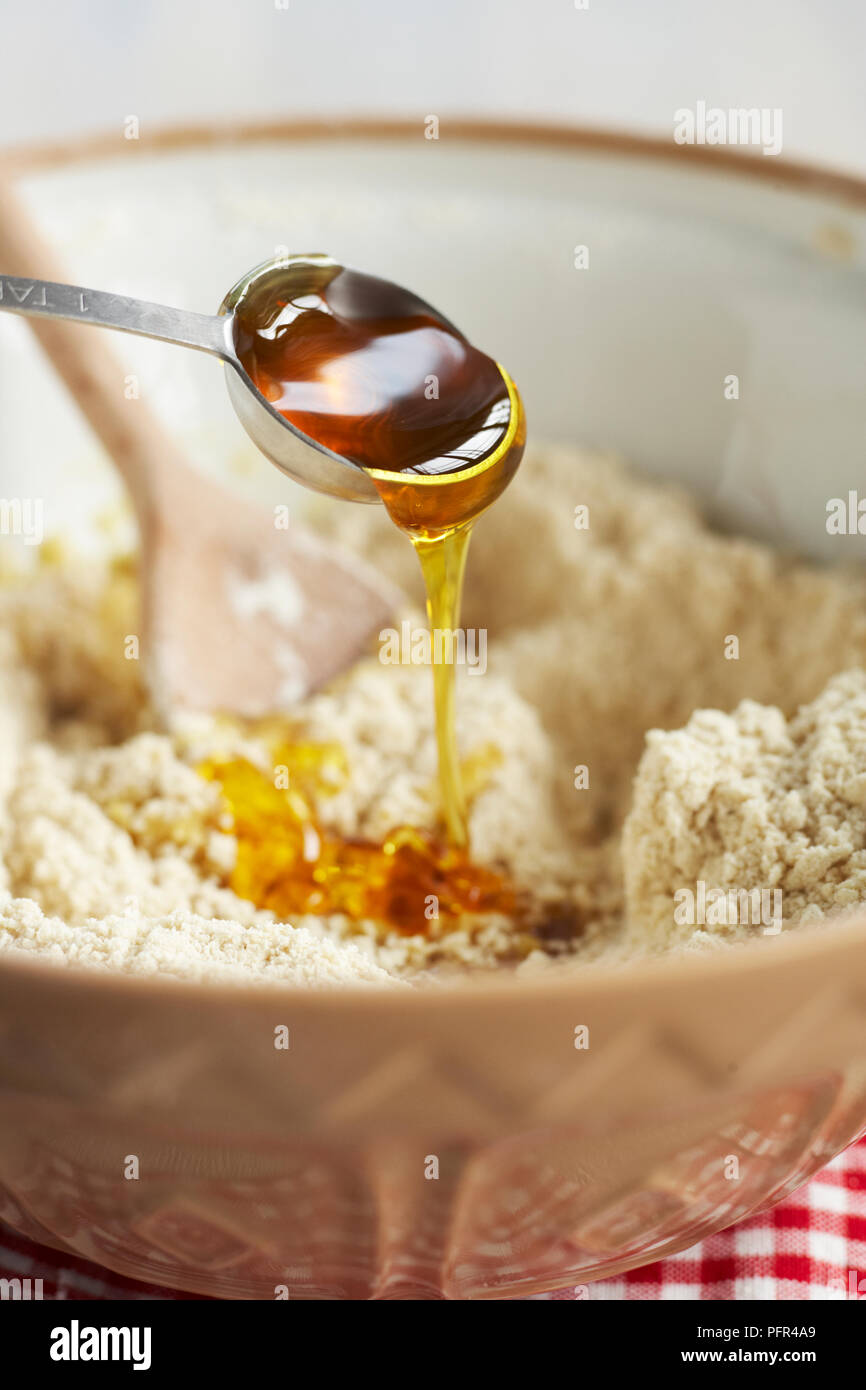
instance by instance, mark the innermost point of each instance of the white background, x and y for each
(84, 65)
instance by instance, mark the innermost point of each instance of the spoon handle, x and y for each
(48, 299)
(148, 459)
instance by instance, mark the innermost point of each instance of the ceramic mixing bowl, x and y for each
(456, 1143)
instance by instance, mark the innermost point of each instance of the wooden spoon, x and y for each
(237, 615)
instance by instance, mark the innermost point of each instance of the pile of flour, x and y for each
(750, 802)
(116, 853)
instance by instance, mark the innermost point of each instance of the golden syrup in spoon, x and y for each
(372, 372)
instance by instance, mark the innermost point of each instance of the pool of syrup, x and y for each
(290, 863)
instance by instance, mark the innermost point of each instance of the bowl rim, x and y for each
(36, 156)
(597, 982)
(600, 979)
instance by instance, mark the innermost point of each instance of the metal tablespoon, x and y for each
(296, 453)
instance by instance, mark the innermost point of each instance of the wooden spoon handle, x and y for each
(143, 452)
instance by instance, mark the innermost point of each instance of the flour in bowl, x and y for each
(118, 853)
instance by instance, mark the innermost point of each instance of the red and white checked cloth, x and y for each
(812, 1246)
